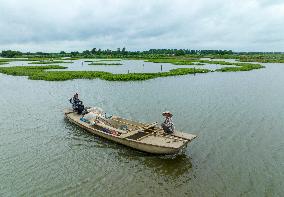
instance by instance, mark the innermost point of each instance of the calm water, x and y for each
(238, 117)
(131, 66)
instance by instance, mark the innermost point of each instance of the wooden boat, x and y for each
(144, 137)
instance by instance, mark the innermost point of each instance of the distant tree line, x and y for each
(11, 54)
(122, 52)
(119, 51)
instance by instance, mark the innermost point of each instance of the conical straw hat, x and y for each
(167, 113)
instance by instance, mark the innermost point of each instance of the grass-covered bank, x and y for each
(175, 61)
(104, 64)
(103, 61)
(43, 73)
(240, 67)
(236, 66)
(4, 61)
(261, 60)
(27, 70)
(51, 62)
(107, 60)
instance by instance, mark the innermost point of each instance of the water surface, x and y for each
(238, 118)
(128, 66)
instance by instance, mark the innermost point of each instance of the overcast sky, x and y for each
(54, 25)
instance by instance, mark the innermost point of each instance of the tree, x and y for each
(11, 54)
(123, 51)
(93, 51)
(74, 53)
(179, 52)
(86, 53)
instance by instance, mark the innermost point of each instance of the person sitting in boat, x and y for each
(77, 105)
(168, 125)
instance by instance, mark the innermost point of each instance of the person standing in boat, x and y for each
(168, 125)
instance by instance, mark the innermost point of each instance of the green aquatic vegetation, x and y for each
(146, 76)
(19, 59)
(178, 61)
(40, 59)
(50, 62)
(174, 61)
(240, 67)
(72, 58)
(3, 61)
(261, 57)
(27, 70)
(215, 62)
(243, 59)
(104, 64)
(66, 75)
(44, 73)
(237, 66)
(107, 60)
(184, 62)
(24, 59)
(32, 59)
(6, 61)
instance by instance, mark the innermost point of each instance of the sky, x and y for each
(77, 25)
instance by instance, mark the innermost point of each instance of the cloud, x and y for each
(52, 25)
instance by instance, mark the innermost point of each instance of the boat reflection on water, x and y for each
(172, 166)
(176, 166)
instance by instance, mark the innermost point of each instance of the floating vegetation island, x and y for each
(107, 60)
(51, 62)
(105, 64)
(236, 66)
(44, 73)
(3, 62)
(7, 61)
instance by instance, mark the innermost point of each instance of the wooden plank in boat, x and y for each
(130, 122)
(186, 136)
(137, 135)
(150, 125)
(111, 128)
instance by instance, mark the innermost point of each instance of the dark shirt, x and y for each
(168, 122)
(75, 101)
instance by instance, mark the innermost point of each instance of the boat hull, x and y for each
(149, 148)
